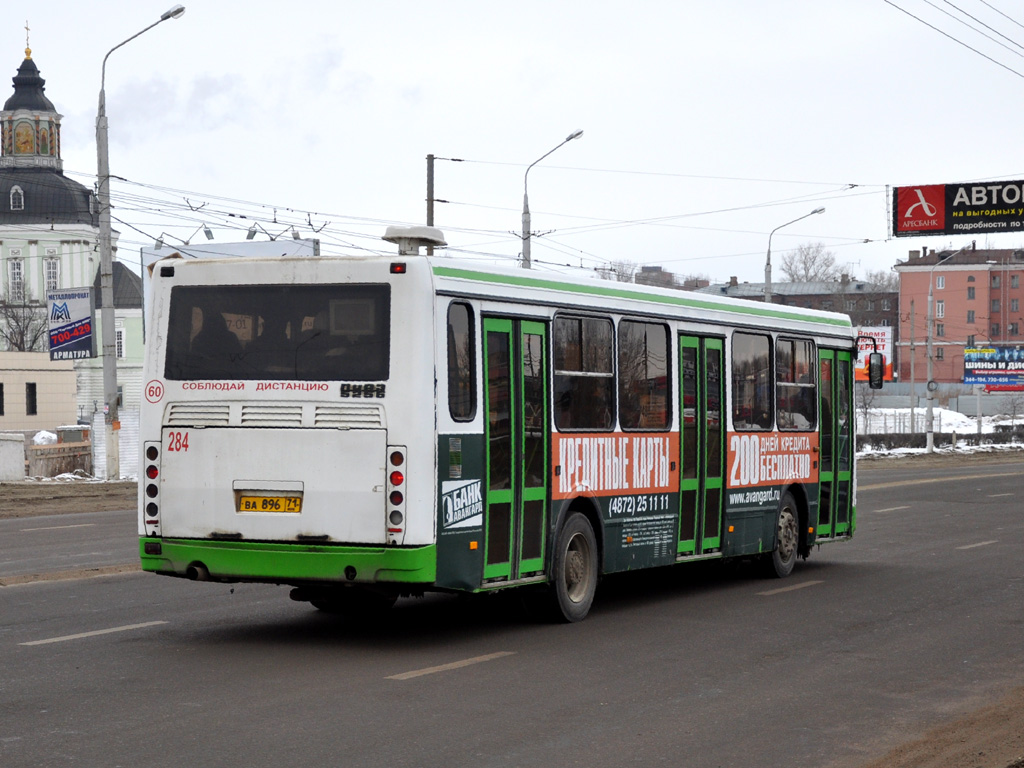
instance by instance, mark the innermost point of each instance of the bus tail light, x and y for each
(152, 488)
(395, 507)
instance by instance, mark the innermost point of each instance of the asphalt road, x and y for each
(60, 543)
(867, 645)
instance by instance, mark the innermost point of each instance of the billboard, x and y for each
(882, 334)
(70, 312)
(996, 367)
(958, 209)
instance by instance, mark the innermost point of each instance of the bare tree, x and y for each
(865, 397)
(810, 263)
(622, 271)
(883, 279)
(23, 326)
(1016, 403)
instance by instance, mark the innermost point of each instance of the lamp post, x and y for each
(931, 386)
(526, 200)
(111, 421)
(768, 261)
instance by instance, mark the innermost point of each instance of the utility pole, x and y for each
(430, 199)
(527, 262)
(107, 325)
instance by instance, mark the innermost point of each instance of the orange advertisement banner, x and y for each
(614, 464)
(772, 458)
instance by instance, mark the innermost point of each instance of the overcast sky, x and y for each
(706, 124)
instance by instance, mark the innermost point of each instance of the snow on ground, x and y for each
(870, 452)
(888, 421)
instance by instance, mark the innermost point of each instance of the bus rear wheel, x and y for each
(574, 569)
(779, 563)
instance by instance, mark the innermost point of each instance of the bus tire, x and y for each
(780, 561)
(574, 569)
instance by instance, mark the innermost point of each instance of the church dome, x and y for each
(41, 196)
(33, 188)
(28, 89)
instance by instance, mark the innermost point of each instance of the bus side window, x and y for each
(751, 382)
(461, 363)
(795, 390)
(584, 393)
(643, 375)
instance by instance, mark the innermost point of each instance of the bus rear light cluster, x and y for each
(152, 490)
(396, 492)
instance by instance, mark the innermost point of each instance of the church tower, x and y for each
(49, 224)
(33, 188)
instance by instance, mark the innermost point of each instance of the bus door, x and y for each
(516, 437)
(836, 443)
(701, 442)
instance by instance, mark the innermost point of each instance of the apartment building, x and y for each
(976, 300)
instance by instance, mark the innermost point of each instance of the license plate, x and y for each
(291, 504)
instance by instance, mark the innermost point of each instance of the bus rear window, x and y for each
(279, 332)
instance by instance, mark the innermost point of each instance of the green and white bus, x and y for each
(367, 428)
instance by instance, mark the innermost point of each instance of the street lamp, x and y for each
(526, 201)
(931, 386)
(106, 262)
(768, 262)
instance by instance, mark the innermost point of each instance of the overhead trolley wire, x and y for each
(954, 39)
(1012, 20)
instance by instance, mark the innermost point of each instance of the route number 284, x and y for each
(177, 441)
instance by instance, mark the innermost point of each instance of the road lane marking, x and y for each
(77, 573)
(59, 527)
(925, 481)
(997, 495)
(448, 667)
(979, 544)
(791, 589)
(126, 628)
(892, 509)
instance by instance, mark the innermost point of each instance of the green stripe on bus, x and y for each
(285, 562)
(600, 290)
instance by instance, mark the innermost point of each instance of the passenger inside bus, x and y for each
(271, 349)
(214, 340)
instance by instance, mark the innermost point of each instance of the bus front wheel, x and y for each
(575, 569)
(780, 561)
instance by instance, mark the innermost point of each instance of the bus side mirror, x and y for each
(876, 370)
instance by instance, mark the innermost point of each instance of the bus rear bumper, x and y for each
(284, 563)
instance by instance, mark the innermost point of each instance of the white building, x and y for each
(49, 239)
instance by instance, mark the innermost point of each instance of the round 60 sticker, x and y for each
(154, 391)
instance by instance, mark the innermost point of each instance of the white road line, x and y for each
(979, 544)
(791, 589)
(94, 634)
(997, 495)
(447, 667)
(59, 527)
(941, 479)
(892, 509)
